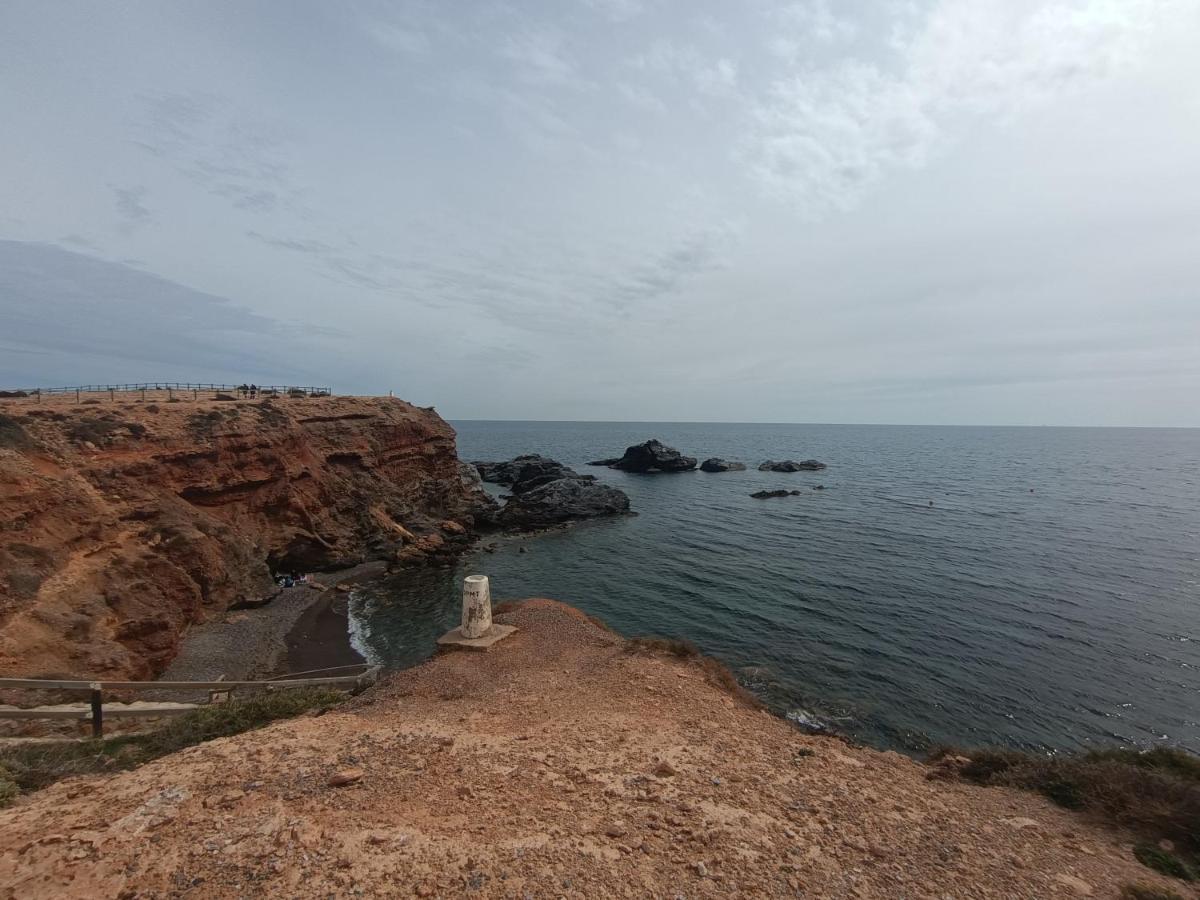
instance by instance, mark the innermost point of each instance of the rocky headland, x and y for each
(122, 524)
(566, 762)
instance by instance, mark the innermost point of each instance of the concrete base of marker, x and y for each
(454, 639)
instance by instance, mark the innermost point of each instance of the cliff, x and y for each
(566, 762)
(123, 523)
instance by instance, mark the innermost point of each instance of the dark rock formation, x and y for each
(529, 470)
(563, 500)
(653, 456)
(545, 492)
(790, 465)
(716, 464)
(608, 463)
(766, 495)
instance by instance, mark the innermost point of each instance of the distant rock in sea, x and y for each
(790, 465)
(649, 457)
(608, 463)
(716, 464)
(766, 495)
(545, 492)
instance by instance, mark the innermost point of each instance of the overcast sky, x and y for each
(915, 211)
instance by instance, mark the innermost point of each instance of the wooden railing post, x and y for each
(97, 710)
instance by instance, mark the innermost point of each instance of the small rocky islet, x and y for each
(545, 492)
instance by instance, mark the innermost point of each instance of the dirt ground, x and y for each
(557, 765)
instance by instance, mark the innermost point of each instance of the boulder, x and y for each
(766, 495)
(654, 456)
(790, 465)
(716, 464)
(563, 500)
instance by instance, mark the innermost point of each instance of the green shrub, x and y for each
(1154, 857)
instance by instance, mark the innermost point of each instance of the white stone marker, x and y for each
(477, 607)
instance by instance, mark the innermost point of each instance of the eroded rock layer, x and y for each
(123, 523)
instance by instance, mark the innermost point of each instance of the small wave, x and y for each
(809, 721)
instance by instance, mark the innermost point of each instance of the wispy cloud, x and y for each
(131, 209)
(241, 161)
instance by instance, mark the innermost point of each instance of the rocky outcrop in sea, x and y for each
(544, 492)
(652, 456)
(716, 464)
(790, 465)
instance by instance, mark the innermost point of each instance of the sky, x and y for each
(900, 211)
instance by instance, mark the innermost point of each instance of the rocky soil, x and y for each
(560, 764)
(122, 523)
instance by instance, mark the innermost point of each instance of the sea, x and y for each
(1035, 588)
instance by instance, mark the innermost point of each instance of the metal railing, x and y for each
(143, 386)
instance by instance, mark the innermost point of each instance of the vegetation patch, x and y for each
(1155, 794)
(1147, 892)
(32, 766)
(13, 436)
(97, 430)
(1155, 857)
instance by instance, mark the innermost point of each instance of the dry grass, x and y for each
(1155, 794)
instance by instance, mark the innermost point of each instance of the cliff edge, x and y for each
(564, 763)
(123, 523)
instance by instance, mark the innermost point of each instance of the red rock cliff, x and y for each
(123, 523)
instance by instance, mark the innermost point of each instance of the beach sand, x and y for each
(299, 630)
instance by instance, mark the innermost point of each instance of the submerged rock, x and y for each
(563, 500)
(790, 465)
(716, 464)
(766, 495)
(654, 456)
(611, 461)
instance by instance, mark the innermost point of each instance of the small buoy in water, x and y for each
(931, 503)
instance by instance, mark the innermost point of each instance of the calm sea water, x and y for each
(1049, 598)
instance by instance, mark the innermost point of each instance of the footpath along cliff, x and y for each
(122, 523)
(565, 762)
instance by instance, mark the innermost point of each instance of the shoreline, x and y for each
(247, 644)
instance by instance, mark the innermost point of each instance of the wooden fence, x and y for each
(219, 691)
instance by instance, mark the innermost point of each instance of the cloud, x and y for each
(684, 63)
(403, 40)
(617, 10)
(825, 135)
(244, 162)
(130, 208)
(540, 55)
(87, 320)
